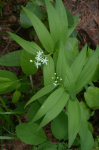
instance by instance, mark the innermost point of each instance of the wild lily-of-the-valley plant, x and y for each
(66, 71)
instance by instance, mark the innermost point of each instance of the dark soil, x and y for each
(88, 29)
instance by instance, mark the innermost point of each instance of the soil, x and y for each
(88, 29)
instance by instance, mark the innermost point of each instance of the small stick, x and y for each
(31, 81)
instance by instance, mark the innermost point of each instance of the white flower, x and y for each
(31, 60)
(38, 58)
(44, 60)
(37, 64)
(55, 84)
(39, 53)
(61, 79)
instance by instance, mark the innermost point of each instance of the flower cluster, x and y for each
(40, 59)
(57, 79)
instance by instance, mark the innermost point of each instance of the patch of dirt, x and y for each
(88, 25)
(15, 145)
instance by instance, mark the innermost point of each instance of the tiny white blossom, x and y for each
(44, 60)
(55, 84)
(31, 60)
(56, 81)
(55, 73)
(61, 79)
(38, 58)
(57, 77)
(37, 64)
(39, 53)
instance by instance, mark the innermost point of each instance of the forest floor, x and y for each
(88, 29)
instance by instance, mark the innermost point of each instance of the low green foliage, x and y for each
(92, 97)
(66, 72)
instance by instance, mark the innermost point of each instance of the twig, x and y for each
(31, 81)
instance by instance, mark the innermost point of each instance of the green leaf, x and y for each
(86, 138)
(59, 126)
(70, 18)
(49, 103)
(63, 70)
(78, 63)
(28, 67)
(11, 59)
(30, 47)
(34, 8)
(29, 133)
(73, 120)
(8, 81)
(71, 50)
(71, 29)
(62, 17)
(88, 71)
(86, 110)
(56, 109)
(41, 93)
(33, 110)
(57, 29)
(42, 32)
(48, 72)
(92, 97)
(16, 97)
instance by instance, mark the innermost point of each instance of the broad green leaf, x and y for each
(8, 81)
(55, 110)
(86, 110)
(73, 109)
(11, 59)
(96, 75)
(63, 70)
(28, 67)
(92, 97)
(33, 110)
(86, 138)
(71, 29)
(71, 50)
(16, 96)
(70, 18)
(34, 8)
(29, 133)
(56, 27)
(59, 126)
(88, 71)
(78, 63)
(42, 32)
(50, 102)
(30, 47)
(62, 18)
(48, 72)
(41, 93)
